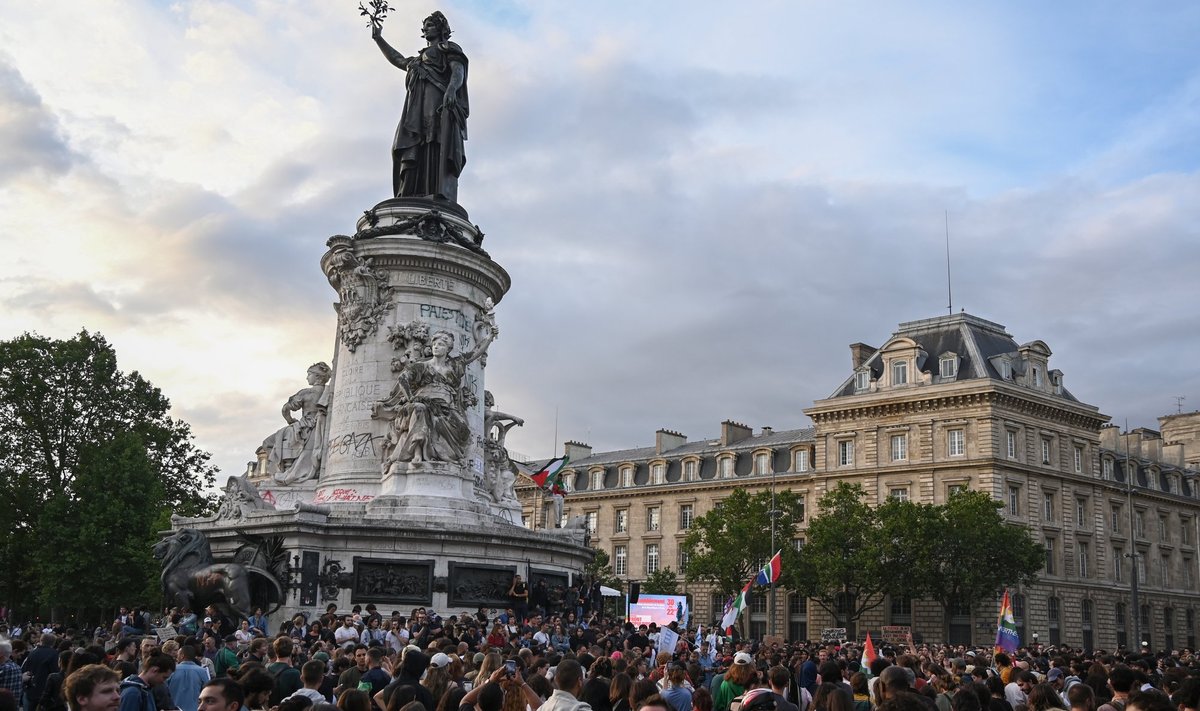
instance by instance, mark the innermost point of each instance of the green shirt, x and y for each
(226, 660)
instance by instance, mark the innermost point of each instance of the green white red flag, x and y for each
(547, 476)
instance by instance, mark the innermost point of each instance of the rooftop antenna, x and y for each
(1179, 404)
(949, 292)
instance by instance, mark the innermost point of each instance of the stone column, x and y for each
(403, 271)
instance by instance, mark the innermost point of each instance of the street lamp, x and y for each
(1133, 554)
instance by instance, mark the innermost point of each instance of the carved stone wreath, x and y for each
(430, 226)
(364, 297)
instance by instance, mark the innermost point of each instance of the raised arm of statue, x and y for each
(388, 50)
(481, 346)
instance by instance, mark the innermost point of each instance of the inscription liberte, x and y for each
(433, 282)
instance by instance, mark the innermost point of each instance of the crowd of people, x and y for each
(505, 660)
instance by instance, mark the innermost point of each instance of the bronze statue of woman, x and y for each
(428, 154)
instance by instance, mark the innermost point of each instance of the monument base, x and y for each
(398, 557)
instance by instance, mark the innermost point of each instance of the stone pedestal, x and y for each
(389, 277)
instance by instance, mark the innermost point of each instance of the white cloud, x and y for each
(700, 205)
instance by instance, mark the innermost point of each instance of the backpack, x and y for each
(143, 692)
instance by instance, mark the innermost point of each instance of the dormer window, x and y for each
(597, 480)
(689, 470)
(862, 380)
(1005, 370)
(762, 463)
(948, 366)
(899, 372)
(658, 473)
(726, 467)
(1037, 377)
(626, 476)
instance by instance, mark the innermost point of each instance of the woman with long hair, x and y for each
(354, 700)
(437, 680)
(618, 691)
(831, 697)
(491, 662)
(738, 679)
(1043, 697)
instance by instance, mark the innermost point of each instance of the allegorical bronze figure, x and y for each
(427, 153)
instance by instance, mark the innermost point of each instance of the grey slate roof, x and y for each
(700, 448)
(974, 340)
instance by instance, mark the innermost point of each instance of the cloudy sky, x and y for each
(700, 203)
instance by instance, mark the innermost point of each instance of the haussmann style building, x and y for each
(944, 403)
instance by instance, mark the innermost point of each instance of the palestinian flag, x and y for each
(770, 571)
(868, 655)
(547, 476)
(735, 608)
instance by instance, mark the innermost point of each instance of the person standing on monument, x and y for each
(518, 595)
(428, 153)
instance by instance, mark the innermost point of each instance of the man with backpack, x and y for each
(135, 690)
(1120, 680)
(287, 677)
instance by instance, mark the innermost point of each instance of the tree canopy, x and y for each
(68, 419)
(730, 543)
(857, 555)
(661, 582)
(969, 526)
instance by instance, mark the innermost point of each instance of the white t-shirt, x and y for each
(345, 634)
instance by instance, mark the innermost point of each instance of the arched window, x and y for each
(1054, 613)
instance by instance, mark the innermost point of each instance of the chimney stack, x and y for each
(666, 440)
(859, 353)
(576, 450)
(734, 432)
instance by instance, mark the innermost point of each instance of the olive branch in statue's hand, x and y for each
(375, 14)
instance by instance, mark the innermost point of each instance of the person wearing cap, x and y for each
(227, 658)
(740, 676)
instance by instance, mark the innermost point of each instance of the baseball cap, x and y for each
(1054, 674)
(439, 660)
(208, 619)
(742, 658)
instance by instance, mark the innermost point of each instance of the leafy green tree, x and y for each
(976, 553)
(96, 538)
(856, 554)
(730, 544)
(661, 582)
(61, 401)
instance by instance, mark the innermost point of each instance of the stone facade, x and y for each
(946, 402)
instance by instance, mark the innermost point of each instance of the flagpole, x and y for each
(771, 600)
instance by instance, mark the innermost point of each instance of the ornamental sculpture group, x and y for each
(426, 412)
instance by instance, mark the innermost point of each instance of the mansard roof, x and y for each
(980, 345)
(700, 448)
